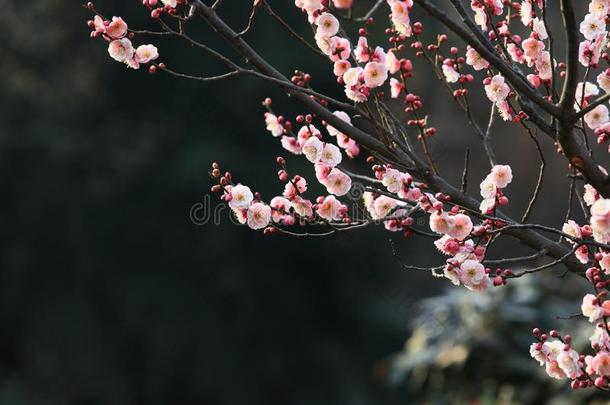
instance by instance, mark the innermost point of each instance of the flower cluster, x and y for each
(120, 48)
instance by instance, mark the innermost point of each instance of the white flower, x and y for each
(591, 311)
(475, 60)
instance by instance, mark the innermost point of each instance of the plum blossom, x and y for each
(475, 60)
(441, 222)
(146, 53)
(451, 75)
(600, 215)
(312, 149)
(392, 180)
(343, 4)
(117, 28)
(331, 155)
(329, 209)
(599, 8)
(497, 90)
(273, 125)
(375, 74)
(592, 26)
(338, 183)
(258, 215)
(591, 309)
(241, 197)
(295, 187)
(121, 50)
(501, 175)
(462, 226)
(472, 274)
(328, 25)
(532, 48)
(601, 363)
(597, 117)
(603, 80)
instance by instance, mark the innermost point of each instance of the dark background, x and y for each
(110, 294)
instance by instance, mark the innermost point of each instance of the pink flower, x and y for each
(121, 50)
(344, 117)
(472, 275)
(328, 25)
(258, 215)
(291, 144)
(340, 49)
(362, 52)
(593, 26)
(343, 4)
(591, 309)
(601, 363)
(329, 209)
(543, 64)
(313, 149)
(539, 28)
(568, 362)
(340, 67)
(146, 53)
(501, 175)
(375, 74)
(280, 207)
(515, 52)
(497, 90)
(117, 29)
(475, 60)
(273, 125)
(396, 88)
(441, 222)
(554, 371)
(589, 52)
(600, 215)
(98, 24)
(338, 183)
(392, 63)
(392, 180)
(597, 117)
(294, 188)
(241, 197)
(302, 207)
(538, 355)
(462, 226)
(331, 155)
(451, 75)
(599, 8)
(532, 48)
(383, 206)
(603, 80)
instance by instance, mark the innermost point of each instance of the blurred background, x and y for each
(111, 294)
